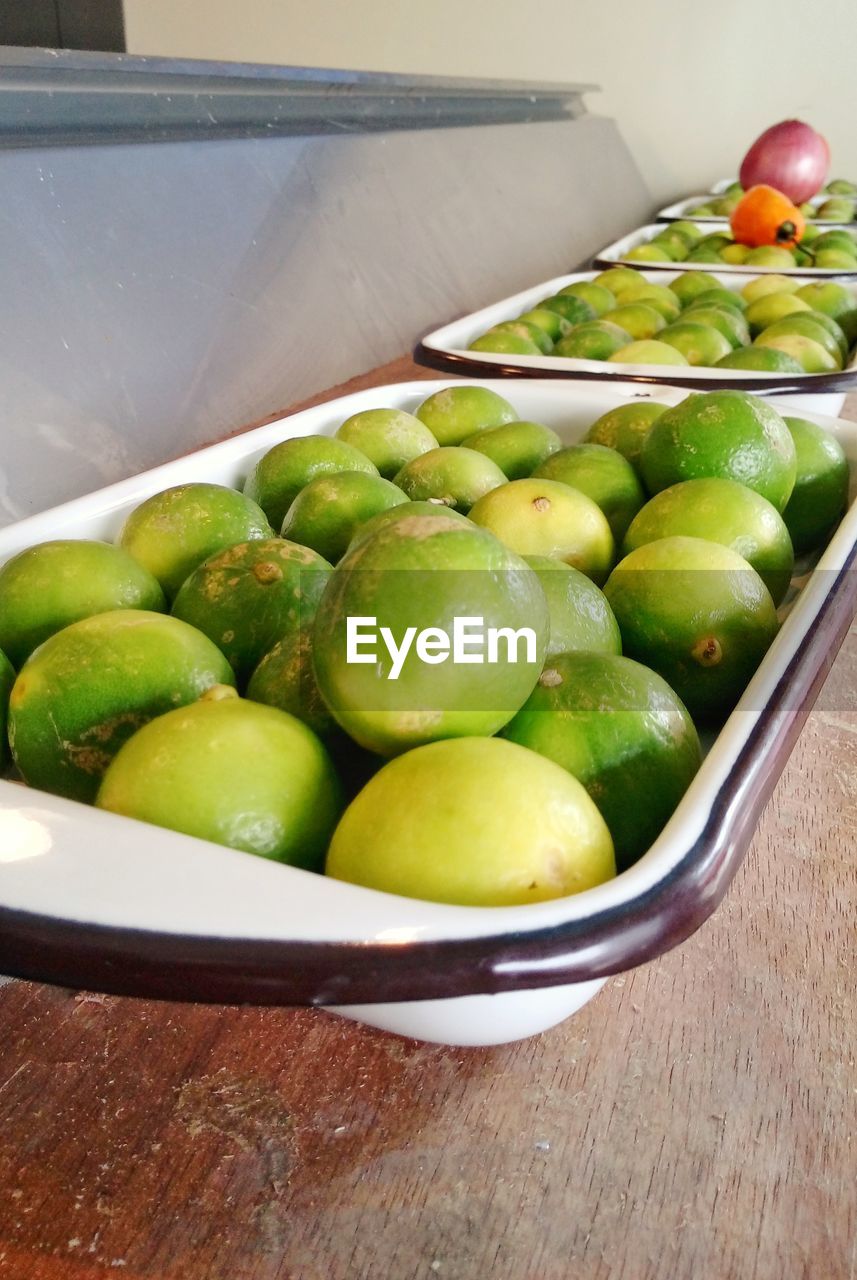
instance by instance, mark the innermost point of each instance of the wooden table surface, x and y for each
(697, 1119)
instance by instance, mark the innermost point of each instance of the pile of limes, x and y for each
(441, 654)
(682, 241)
(774, 324)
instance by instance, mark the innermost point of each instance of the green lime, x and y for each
(619, 729)
(595, 340)
(455, 475)
(760, 360)
(7, 679)
(773, 307)
(648, 253)
(404, 511)
(285, 678)
(703, 210)
(82, 694)
(502, 343)
(725, 320)
(837, 239)
(676, 245)
(175, 530)
(811, 325)
(721, 433)
(596, 295)
(524, 329)
(327, 512)
(717, 298)
(769, 255)
(840, 186)
(653, 295)
(454, 413)
(517, 447)
(388, 437)
(763, 285)
(487, 844)
(617, 279)
(555, 326)
(820, 495)
(580, 617)
(720, 511)
(248, 596)
(234, 772)
(539, 517)
(647, 351)
(700, 344)
(835, 301)
(810, 354)
(716, 240)
(48, 586)
(429, 629)
(734, 254)
(573, 309)
(281, 473)
(604, 476)
(691, 284)
(636, 318)
(689, 230)
(835, 260)
(626, 427)
(698, 614)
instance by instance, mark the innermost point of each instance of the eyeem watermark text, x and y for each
(470, 642)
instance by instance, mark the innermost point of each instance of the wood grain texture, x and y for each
(697, 1119)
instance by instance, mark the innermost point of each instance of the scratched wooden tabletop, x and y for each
(697, 1119)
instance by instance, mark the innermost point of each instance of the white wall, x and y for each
(690, 84)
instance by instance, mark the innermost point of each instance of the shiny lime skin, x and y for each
(50, 585)
(637, 318)
(698, 614)
(175, 530)
(457, 476)
(476, 822)
(234, 772)
(580, 617)
(516, 447)
(328, 511)
(7, 679)
(760, 360)
(388, 437)
(820, 495)
(700, 344)
(604, 476)
(720, 511)
(618, 728)
(281, 473)
(835, 301)
(82, 694)
(425, 573)
(721, 433)
(285, 678)
(454, 413)
(247, 597)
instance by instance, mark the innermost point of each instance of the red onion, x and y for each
(789, 156)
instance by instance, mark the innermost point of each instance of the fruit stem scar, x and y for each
(266, 571)
(707, 651)
(218, 693)
(542, 504)
(550, 678)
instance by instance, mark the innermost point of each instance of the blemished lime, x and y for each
(580, 617)
(721, 433)
(234, 772)
(517, 447)
(285, 678)
(249, 596)
(327, 512)
(281, 473)
(388, 437)
(626, 427)
(720, 511)
(539, 517)
(512, 828)
(454, 413)
(404, 684)
(604, 476)
(810, 354)
(404, 511)
(173, 531)
(454, 475)
(820, 495)
(698, 614)
(82, 694)
(50, 585)
(618, 728)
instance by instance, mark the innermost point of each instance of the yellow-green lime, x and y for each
(700, 344)
(431, 507)
(730, 434)
(580, 617)
(234, 772)
(772, 307)
(735, 253)
(626, 427)
(285, 678)
(525, 329)
(725, 320)
(281, 473)
(539, 517)
(554, 325)
(175, 530)
(497, 342)
(604, 476)
(517, 447)
(810, 325)
(575, 310)
(50, 585)
(617, 279)
(247, 597)
(82, 694)
(690, 284)
(835, 301)
(454, 475)
(595, 340)
(769, 255)
(760, 360)
(477, 822)
(618, 728)
(764, 285)
(596, 295)
(454, 413)
(720, 297)
(820, 495)
(720, 511)
(411, 675)
(650, 252)
(637, 318)
(327, 512)
(654, 295)
(388, 437)
(698, 614)
(648, 351)
(809, 353)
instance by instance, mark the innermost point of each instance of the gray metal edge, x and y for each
(51, 97)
